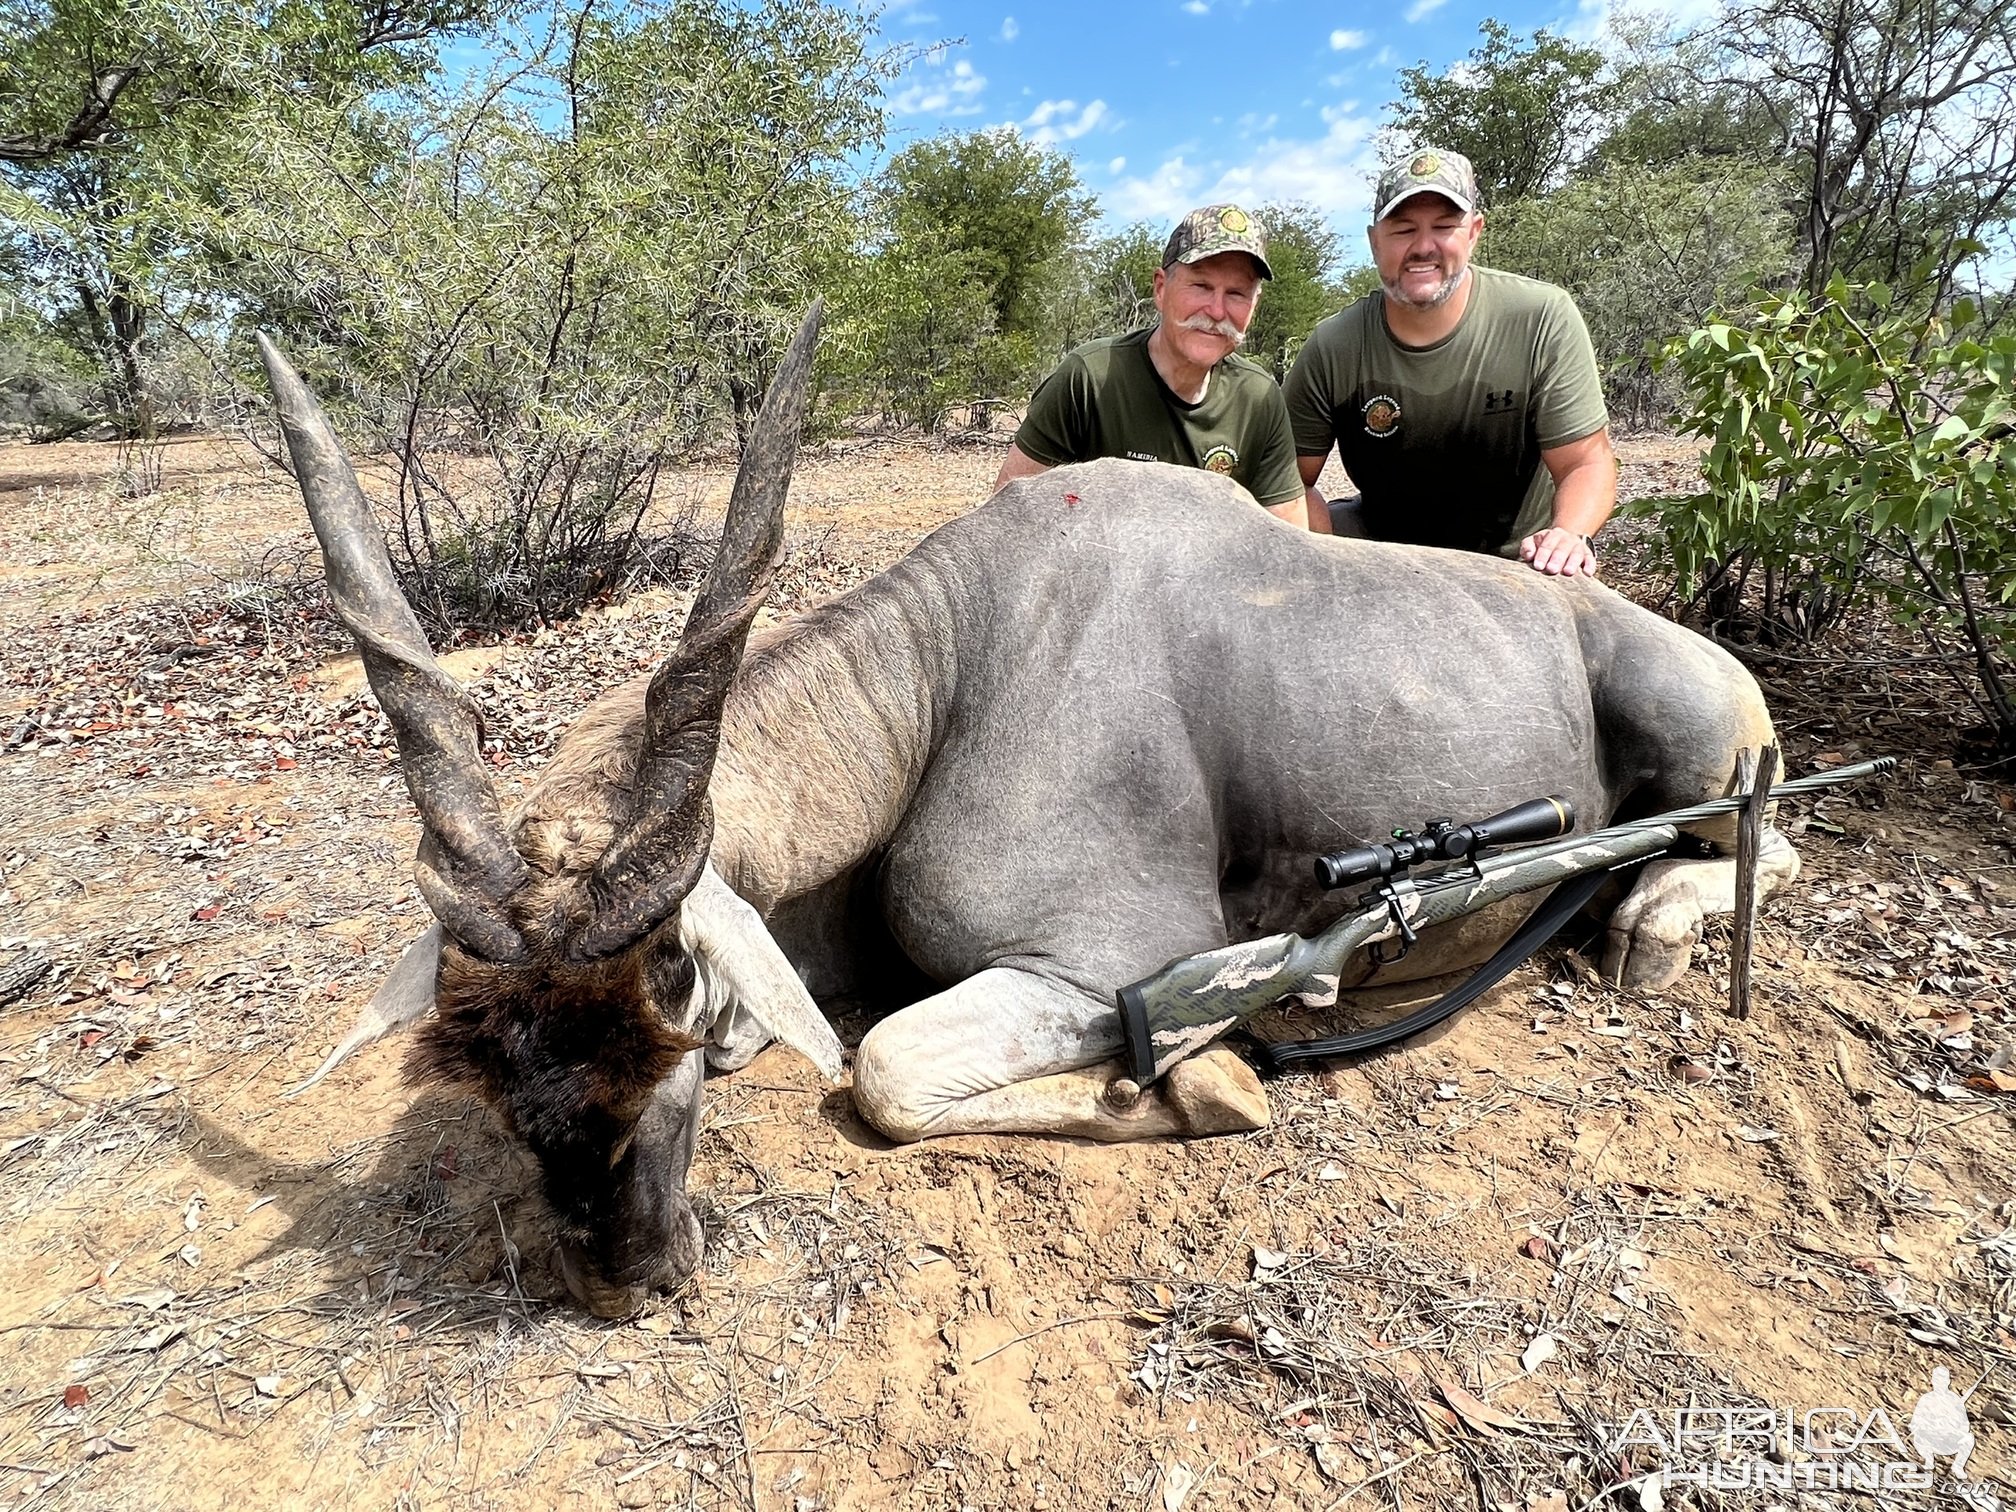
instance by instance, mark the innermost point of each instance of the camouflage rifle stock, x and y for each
(1192, 1001)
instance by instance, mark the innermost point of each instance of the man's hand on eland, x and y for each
(1559, 553)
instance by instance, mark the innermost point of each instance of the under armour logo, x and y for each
(1499, 400)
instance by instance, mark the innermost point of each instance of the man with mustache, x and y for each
(1464, 402)
(1177, 392)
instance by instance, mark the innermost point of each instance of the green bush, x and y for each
(913, 328)
(1859, 455)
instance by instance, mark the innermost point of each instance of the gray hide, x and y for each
(1109, 718)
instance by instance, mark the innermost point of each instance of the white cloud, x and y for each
(1333, 172)
(1118, 165)
(1010, 29)
(1056, 121)
(1345, 41)
(942, 91)
(1420, 10)
(1253, 121)
(1163, 195)
(1197, 7)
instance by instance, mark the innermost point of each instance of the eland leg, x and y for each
(1653, 933)
(1008, 1051)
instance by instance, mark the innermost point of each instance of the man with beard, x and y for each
(1464, 402)
(1177, 392)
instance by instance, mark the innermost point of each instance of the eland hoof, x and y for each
(1215, 1092)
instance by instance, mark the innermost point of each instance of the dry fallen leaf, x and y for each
(1477, 1412)
(1239, 1329)
(1543, 1348)
(1332, 1460)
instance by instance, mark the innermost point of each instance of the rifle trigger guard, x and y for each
(1394, 912)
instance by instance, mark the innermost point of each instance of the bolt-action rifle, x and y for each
(1195, 999)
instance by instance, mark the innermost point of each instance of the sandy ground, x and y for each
(1448, 1275)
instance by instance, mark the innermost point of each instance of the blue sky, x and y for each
(1168, 104)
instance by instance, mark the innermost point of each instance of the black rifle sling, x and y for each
(1562, 905)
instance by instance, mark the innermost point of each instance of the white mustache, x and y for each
(1211, 327)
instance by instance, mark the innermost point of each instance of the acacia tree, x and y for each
(1009, 206)
(1522, 109)
(1900, 116)
(1648, 252)
(108, 101)
(542, 294)
(967, 284)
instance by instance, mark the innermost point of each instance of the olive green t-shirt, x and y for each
(1444, 441)
(1107, 400)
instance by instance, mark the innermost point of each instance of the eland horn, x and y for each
(467, 864)
(657, 859)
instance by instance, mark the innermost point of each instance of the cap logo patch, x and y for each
(1382, 415)
(1233, 219)
(1220, 459)
(1427, 165)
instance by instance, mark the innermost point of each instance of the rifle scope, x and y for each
(1523, 823)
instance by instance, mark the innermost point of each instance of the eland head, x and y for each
(578, 958)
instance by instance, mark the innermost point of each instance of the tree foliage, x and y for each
(1307, 256)
(109, 106)
(915, 331)
(1010, 207)
(1896, 117)
(1858, 454)
(970, 284)
(1120, 269)
(1647, 252)
(1666, 105)
(546, 293)
(1522, 109)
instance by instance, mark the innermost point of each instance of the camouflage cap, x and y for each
(1428, 171)
(1215, 229)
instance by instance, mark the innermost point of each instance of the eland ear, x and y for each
(715, 923)
(405, 995)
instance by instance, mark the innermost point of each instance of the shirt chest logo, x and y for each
(1220, 459)
(1501, 402)
(1382, 416)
